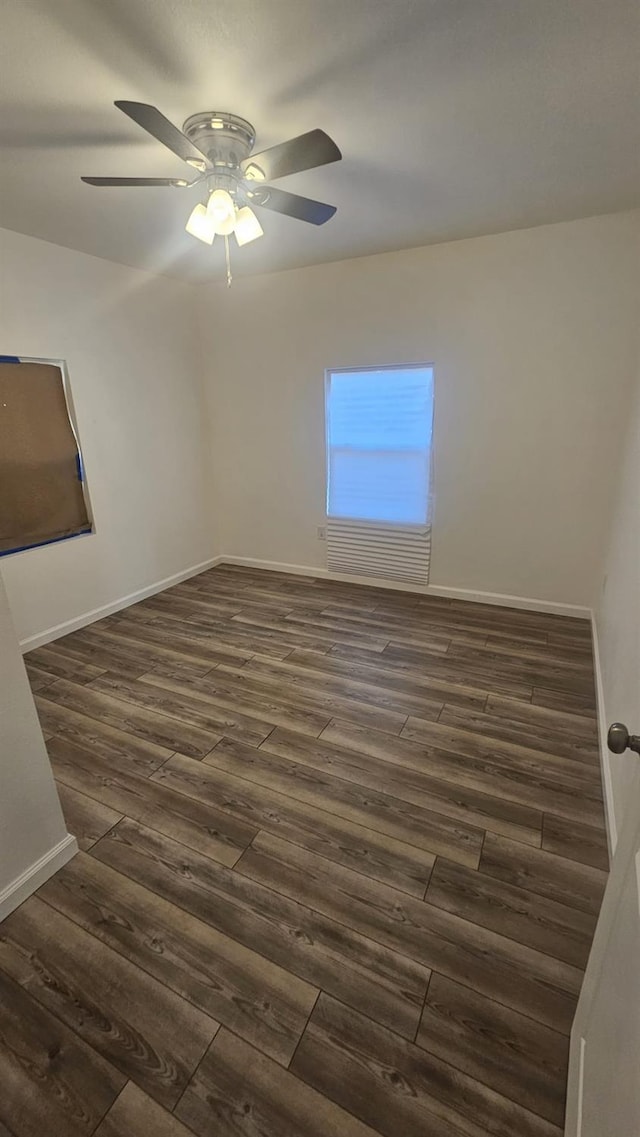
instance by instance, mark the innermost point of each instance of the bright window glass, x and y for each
(379, 427)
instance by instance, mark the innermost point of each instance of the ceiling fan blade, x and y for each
(314, 148)
(292, 204)
(136, 181)
(155, 123)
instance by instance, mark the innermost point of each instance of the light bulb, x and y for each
(222, 212)
(201, 225)
(248, 228)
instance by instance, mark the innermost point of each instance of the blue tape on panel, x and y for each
(51, 541)
(9, 359)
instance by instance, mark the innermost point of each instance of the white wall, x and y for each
(130, 342)
(533, 338)
(618, 614)
(33, 835)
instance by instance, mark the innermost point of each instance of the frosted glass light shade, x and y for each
(200, 225)
(222, 212)
(248, 228)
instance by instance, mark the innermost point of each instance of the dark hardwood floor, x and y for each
(342, 854)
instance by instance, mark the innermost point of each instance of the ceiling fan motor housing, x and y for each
(225, 138)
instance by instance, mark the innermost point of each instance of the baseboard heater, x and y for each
(360, 548)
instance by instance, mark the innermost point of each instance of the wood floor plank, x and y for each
(38, 678)
(409, 784)
(220, 635)
(363, 674)
(550, 875)
(427, 830)
(150, 725)
(52, 1082)
(198, 825)
(522, 978)
(399, 1087)
(79, 649)
(526, 917)
(529, 783)
(474, 744)
(301, 632)
(304, 709)
(359, 701)
(194, 648)
(135, 1114)
(133, 659)
(86, 819)
(564, 701)
(194, 712)
(418, 678)
(575, 841)
(218, 690)
(232, 984)
(447, 667)
(374, 854)
(123, 751)
(237, 1092)
(514, 1055)
(137, 1024)
(387, 986)
(529, 735)
(55, 662)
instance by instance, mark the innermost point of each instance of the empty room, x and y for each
(320, 568)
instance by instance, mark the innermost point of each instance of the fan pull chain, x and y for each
(226, 251)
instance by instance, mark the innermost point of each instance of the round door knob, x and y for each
(619, 739)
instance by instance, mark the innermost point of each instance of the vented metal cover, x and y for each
(364, 549)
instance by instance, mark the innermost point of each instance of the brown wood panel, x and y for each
(564, 701)
(477, 809)
(189, 711)
(135, 1114)
(400, 1088)
(427, 830)
(525, 979)
(516, 1056)
(218, 690)
(531, 735)
(198, 825)
(361, 972)
(122, 750)
(575, 841)
(550, 875)
(374, 854)
(360, 701)
(55, 661)
(237, 1092)
(86, 819)
(526, 917)
(52, 1082)
(136, 1023)
(529, 782)
(148, 724)
(230, 983)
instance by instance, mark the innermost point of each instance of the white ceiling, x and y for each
(455, 118)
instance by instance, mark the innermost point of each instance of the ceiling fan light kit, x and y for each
(218, 147)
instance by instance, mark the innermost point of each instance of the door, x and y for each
(603, 1098)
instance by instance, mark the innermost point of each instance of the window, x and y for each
(379, 426)
(42, 487)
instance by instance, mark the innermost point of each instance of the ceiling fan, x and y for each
(218, 145)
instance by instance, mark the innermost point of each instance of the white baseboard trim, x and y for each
(81, 621)
(502, 600)
(23, 885)
(605, 756)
